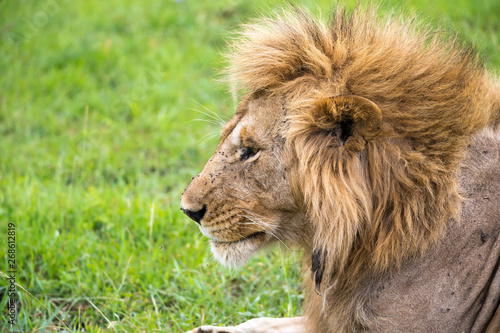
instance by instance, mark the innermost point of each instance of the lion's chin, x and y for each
(236, 254)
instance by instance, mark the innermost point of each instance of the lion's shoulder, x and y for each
(480, 169)
(458, 279)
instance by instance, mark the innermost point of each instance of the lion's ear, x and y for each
(358, 119)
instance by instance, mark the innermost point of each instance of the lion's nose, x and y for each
(196, 216)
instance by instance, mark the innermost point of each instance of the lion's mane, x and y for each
(371, 209)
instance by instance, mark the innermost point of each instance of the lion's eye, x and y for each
(248, 152)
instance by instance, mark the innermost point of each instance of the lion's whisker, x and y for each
(214, 120)
(207, 137)
(210, 121)
(215, 114)
(211, 113)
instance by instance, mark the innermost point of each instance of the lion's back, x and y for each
(455, 286)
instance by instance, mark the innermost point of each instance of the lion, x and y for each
(373, 146)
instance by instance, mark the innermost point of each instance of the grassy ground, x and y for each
(97, 141)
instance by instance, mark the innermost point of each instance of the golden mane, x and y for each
(370, 209)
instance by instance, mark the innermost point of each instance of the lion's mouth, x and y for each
(246, 238)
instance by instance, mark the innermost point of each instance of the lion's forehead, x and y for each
(256, 119)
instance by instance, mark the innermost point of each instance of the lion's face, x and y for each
(242, 199)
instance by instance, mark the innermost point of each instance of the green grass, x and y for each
(97, 142)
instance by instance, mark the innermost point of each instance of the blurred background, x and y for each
(107, 109)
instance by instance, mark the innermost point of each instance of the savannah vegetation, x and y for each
(107, 109)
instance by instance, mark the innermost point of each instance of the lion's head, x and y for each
(347, 141)
(242, 199)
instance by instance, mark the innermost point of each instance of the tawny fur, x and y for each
(393, 199)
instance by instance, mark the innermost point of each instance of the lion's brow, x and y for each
(229, 127)
(234, 121)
